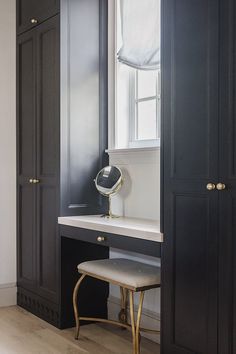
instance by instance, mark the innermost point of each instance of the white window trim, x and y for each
(112, 78)
(137, 156)
(112, 90)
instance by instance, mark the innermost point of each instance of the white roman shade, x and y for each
(140, 30)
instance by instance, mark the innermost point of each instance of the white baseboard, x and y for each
(149, 319)
(8, 295)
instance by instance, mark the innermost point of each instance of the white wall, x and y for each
(7, 153)
(139, 197)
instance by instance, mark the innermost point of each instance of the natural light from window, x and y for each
(138, 99)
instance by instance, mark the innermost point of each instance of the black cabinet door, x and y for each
(31, 12)
(26, 166)
(48, 120)
(38, 158)
(190, 161)
(227, 209)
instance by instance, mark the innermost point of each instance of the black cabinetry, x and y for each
(198, 158)
(30, 13)
(227, 175)
(61, 138)
(38, 156)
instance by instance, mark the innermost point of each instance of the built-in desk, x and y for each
(84, 238)
(137, 235)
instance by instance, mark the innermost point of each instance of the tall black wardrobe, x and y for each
(199, 177)
(61, 136)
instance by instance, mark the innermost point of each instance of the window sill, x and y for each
(132, 150)
(147, 155)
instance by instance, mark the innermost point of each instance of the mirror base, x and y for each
(110, 216)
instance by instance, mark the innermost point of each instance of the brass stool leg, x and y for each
(75, 305)
(132, 318)
(138, 337)
(124, 305)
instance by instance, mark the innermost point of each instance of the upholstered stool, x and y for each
(132, 277)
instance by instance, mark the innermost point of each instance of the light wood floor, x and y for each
(23, 333)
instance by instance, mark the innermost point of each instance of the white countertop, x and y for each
(131, 227)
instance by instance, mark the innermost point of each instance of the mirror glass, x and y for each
(109, 180)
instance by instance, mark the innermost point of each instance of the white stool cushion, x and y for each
(123, 272)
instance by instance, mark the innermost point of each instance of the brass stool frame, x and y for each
(134, 326)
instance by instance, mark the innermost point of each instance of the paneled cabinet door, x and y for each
(48, 120)
(227, 168)
(190, 162)
(32, 12)
(26, 169)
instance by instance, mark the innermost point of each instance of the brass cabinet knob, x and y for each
(34, 21)
(220, 186)
(35, 181)
(101, 239)
(211, 186)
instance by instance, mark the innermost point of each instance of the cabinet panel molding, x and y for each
(26, 112)
(48, 86)
(192, 272)
(31, 13)
(48, 242)
(26, 236)
(193, 91)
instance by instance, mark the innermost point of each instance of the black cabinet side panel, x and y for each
(227, 175)
(83, 104)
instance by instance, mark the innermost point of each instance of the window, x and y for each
(137, 100)
(145, 110)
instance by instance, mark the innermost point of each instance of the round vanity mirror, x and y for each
(108, 182)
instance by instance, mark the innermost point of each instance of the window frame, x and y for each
(134, 100)
(112, 94)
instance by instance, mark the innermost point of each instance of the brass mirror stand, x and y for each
(109, 215)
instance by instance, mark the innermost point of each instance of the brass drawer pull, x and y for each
(220, 186)
(101, 238)
(34, 21)
(210, 186)
(35, 181)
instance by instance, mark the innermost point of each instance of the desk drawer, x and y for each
(132, 244)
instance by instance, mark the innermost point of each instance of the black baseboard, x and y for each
(38, 306)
